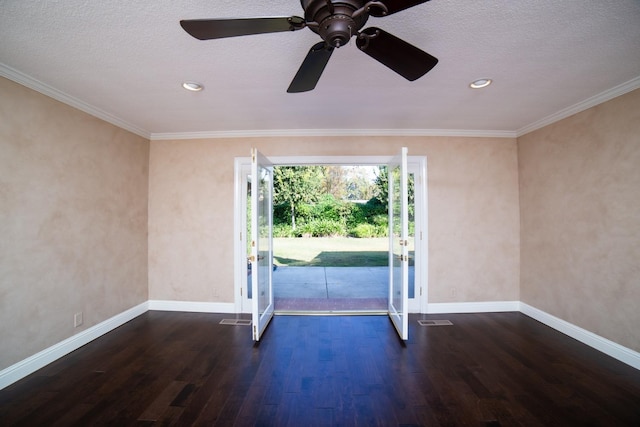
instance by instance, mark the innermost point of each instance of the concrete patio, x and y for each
(332, 288)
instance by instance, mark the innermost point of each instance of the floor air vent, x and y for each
(434, 322)
(236, 322)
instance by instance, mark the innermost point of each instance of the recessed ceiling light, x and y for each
(192, 86)
(480, 83)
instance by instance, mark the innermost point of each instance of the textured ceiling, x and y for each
(125, 61)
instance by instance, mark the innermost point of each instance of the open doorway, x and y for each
(331, 238)
(335, 263)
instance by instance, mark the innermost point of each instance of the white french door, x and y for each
(261, 242)
(418, 278)
(399, 244)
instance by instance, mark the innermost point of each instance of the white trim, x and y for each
(421, 276)
(41, 359)
(238, 256)
(332, 160)
(192, 306)
(45, 89)
(270, 133)
(472, 307)
(417, 164)
(605, 96)
(32, 83)
(617, 351)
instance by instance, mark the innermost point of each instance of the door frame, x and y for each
(417, 165)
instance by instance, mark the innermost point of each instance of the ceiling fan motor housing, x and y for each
(335, 21)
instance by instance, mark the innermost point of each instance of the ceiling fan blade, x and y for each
(311, 69)
(206, 29)
(402, 57)
(394, 6)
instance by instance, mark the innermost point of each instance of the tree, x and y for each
(296, 186)
(359, 183)
(382, 185)
(382, 189)
(334, 181)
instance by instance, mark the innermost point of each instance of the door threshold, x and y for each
(330, 313)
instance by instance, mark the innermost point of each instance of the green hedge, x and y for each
(322, 228)
(365, 231)
(331, 217)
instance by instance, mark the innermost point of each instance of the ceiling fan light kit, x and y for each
(336, 22)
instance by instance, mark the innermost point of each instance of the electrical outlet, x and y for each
(454, 292)
(77, 319)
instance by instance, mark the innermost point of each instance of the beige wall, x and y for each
(580, 219)
(473, 212)
(553, 220)
(73, 221)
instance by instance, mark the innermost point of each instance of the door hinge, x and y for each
(241, 292)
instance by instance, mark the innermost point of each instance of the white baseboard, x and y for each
(39, 360)
(192, 306)
(31, 364)
(472, 307)
(623, 354)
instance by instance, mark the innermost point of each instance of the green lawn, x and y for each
(331, 252)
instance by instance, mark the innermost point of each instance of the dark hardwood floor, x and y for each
(162, 368)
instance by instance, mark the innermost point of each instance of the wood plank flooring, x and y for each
(163, 368)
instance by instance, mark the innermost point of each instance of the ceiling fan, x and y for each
(336, 21)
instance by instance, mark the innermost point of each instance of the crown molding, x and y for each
(605, 96)
(266, 133)
(43, 88)
(30, 82)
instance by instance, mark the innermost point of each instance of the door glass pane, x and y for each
(264, 239)
(248, 239)
(399, 256)
(412, 233)
(396, 206)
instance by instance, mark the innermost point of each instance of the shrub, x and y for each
(322, 228)
(382, 220)
(304, 213)
(357, 214)
(282, 213)
(329, 208)
(364, 231)
(283, 230)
